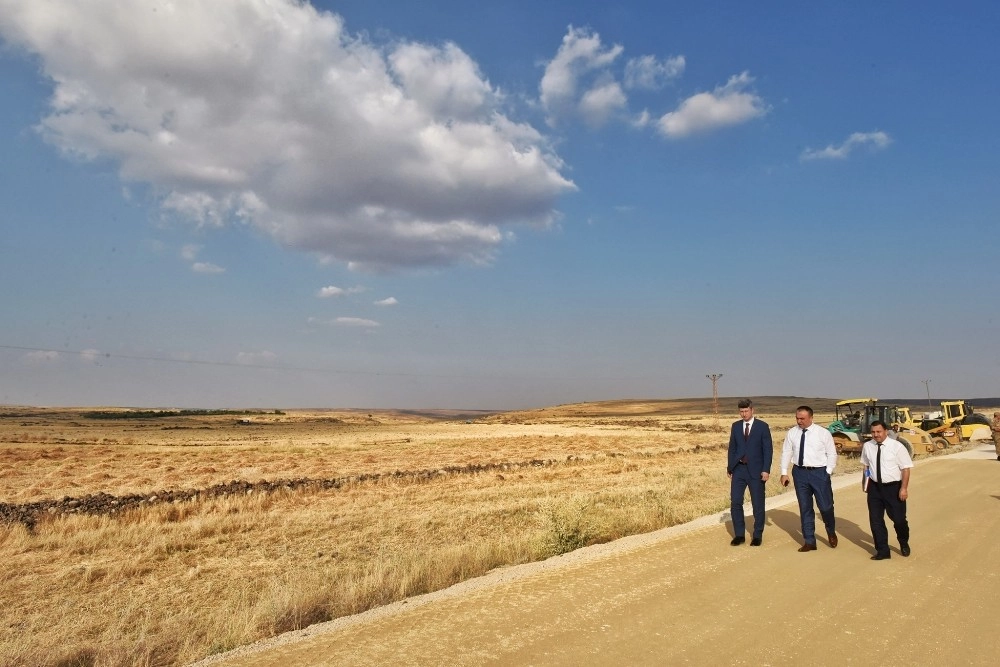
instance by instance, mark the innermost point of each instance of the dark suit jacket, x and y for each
(757, 448)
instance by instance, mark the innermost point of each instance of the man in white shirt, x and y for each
(887, 465)
(811, 448)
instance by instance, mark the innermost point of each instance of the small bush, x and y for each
(567, 526)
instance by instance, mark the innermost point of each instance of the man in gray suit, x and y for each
(750, 453)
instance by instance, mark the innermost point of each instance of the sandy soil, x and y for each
(683, 595)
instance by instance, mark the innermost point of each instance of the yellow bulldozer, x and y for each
(957, 422)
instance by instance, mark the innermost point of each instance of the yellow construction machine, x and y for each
(956, 423)
(852, 426)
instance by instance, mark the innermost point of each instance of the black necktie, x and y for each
(746, 430)
(878, 464)
(802, 449)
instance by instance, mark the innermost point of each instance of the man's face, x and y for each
(803, 419)
(746, 414)
(879, 433)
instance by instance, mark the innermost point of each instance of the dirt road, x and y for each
(683, 595)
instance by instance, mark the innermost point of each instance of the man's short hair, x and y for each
(805, 408)
(879, 422)
(745, 403)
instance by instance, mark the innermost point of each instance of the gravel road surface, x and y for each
(682, 595)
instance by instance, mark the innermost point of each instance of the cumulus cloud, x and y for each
(874, 140)
(331, 291)
(190, 252)
(269, 113)
(581, 62)
(445, 81)
(356, 322)
(207, 267)
(602, 101)
(727, 105)
(648, 73)
(390, 301)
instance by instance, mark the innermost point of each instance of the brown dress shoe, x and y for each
(833, 540)
(807, 547)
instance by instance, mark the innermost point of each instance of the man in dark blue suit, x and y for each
(750, 453)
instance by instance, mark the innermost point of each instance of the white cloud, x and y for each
(90, 354)
(330, 291)
(641, 120)
(207, 267)
(727, 105)
(648, 73)
(581, 57)
(356, 322)
(264, 357)
(190, 252)
(444, 81)
(875, 140)
(333, 291)
(42, 356)
(268, 112)
(390, 301)
(600, 102)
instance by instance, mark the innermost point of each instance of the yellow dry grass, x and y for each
(170, 583)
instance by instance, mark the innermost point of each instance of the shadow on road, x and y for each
(789, 522)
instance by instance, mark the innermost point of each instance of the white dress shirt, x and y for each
(894, 459)
(820, 449)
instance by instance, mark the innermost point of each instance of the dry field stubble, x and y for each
(168, 583)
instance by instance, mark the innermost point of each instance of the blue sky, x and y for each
(395, 204)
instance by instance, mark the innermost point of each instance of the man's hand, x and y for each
(784, 480)
(729, 474)
(764, 476)
(903, 494)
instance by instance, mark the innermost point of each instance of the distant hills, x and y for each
(919, 403)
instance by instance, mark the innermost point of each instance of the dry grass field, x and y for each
(413, 503)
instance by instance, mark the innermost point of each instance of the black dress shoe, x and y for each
(755, 542)
(737, 541)
(904, 549)
(881, 557)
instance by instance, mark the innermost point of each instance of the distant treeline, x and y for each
(159, 414)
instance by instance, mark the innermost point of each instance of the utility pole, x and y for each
(927, 386)
(714, 377)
